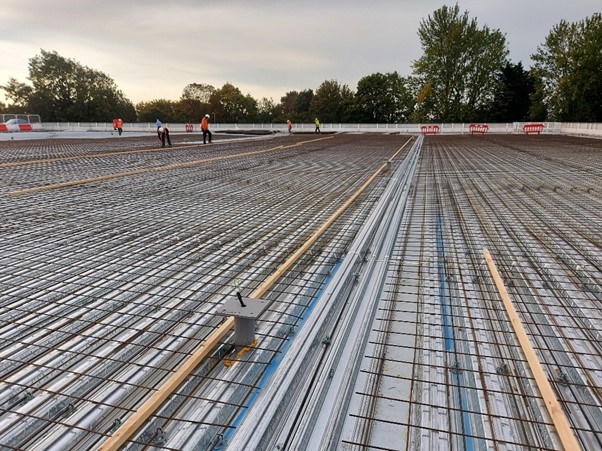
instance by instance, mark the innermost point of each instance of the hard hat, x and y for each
(207, 116)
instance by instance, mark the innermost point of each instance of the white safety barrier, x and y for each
(589, 129)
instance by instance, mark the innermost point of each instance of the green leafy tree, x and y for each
(194, 102)
(198, 91)
(458, 66)
(250, 110)
(333, 102)
(287, 103)
(189, 110)
(19, 93)
(568, 66)
(163, 109)
(383, 98)
(267, 111)
(230, 105)
(64, 90)
(300, 111)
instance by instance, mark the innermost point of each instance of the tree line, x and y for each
(463, 75)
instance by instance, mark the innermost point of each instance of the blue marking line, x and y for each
(277, 359)
(448, 333)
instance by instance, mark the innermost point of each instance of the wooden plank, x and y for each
(154, 402)
(133, 423)
(558, 416)
(261, 290)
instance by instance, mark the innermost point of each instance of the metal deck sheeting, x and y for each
(106, 287)
(441, 367)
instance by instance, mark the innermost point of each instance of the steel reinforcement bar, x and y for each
(321, 361)
(134, 422)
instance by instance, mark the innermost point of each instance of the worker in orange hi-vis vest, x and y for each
(290, 126)
(205, 128)
(119, 126)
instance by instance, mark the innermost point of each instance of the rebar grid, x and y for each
(105, 288)
(444, 367)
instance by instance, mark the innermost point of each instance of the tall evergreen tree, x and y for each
(512, 97)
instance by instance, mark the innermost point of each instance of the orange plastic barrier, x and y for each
(533, 128)
(3, 128)
(431, 129)
(188, 127)
(25, 127)
(478, 128)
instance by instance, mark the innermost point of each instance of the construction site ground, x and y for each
(116, 255)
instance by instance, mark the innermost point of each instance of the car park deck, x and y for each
(386, 331)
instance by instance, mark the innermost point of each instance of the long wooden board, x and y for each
(559, 419)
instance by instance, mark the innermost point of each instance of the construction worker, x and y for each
(205, 128)
(290, 126)
(119, 126)
(163, 133)
(317, 122)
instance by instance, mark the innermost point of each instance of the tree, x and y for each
(19, 93)
(267, 111)
(194, 102)
(458, 66)
(163, 109)
(64, 90)
(512, 97)
(538, 111)
(383, 98)
(568, 66)
(287, 102)
(230, 105)
(300, 111)
(189, 110)
(332, 102)
(198, 91)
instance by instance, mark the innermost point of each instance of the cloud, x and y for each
(152, 49)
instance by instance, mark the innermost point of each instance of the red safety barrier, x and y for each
(478, 128)
(25, 127)
(189, 127)
(431, 129)
(533, 128)
(3, 128)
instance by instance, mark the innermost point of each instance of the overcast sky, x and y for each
(153, 49)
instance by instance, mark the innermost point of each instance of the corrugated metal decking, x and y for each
(106, 287)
